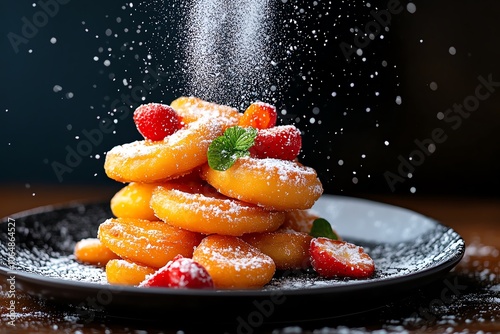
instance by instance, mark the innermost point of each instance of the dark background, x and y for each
(346, 143)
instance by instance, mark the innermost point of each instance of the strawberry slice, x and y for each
(335, 258)
(259, 115)
(155, 121)
(279, 142)
(181, 272)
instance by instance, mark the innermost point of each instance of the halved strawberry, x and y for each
(279, 142)
(155, 121)
(181, 272)
(259, 115)
(335, 258)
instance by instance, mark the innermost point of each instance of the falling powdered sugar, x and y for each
(227, 51)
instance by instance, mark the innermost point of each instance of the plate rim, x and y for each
(443, 266)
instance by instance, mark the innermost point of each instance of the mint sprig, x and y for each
(233, 144)
(322, 228)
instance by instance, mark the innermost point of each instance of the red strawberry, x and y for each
(259, 115)
(279, 142)
(156, 121)
(181, 272)
(334, 258)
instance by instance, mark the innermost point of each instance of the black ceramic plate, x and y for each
(410, 250)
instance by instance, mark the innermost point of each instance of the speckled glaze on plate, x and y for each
(409, 250)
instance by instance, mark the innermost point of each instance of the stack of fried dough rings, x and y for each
(242, 224)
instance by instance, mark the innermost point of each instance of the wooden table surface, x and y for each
(475, 310)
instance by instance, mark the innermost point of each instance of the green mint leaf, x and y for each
(322, 228)
(241, 139)
(233, 144)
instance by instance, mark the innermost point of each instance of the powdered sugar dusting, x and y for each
(212, 208)
(195, 109)
(190, 270)
(132, 150)
(287, 171)
(350, 252)
(240, 259)
(180, 272)
(208, 128)
(228, 210)
(284, 168)
(127, 264)
(278, 164)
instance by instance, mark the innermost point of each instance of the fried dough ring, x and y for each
(92, 251)
(271, 183)
(124, 272)
(152, 243)
(154, 161)
(233, 263)
(132, 201)
(199, 208)
(289, 249)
